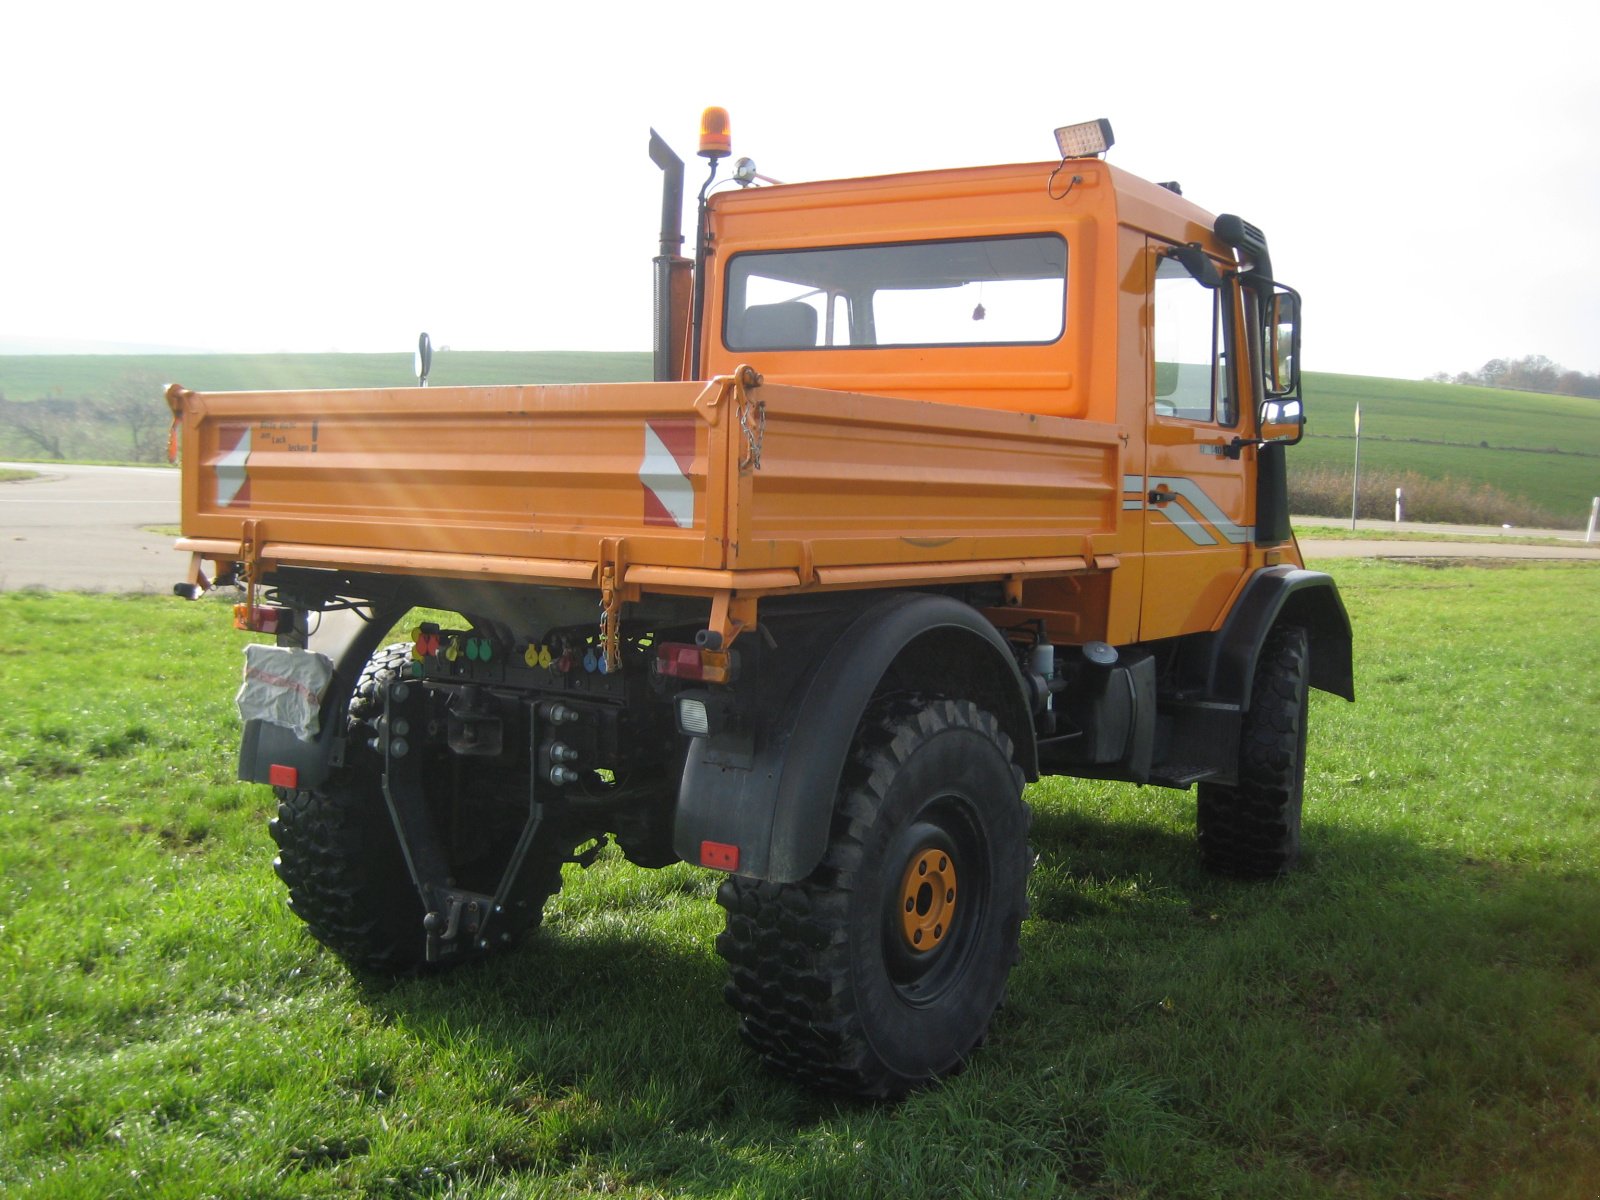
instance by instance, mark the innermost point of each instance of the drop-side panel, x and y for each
(851, 480)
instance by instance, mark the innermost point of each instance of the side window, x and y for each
(1190, 377)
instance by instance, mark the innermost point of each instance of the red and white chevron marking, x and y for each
(668, 455)
(233, 458)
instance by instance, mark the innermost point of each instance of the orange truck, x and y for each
(946, 482)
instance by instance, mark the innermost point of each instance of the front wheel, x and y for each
(883, 969)
(1252, 830)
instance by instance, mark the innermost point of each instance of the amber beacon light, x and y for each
(715, 139)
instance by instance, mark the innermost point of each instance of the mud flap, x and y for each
(271, 753)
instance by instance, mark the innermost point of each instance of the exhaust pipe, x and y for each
(669, 263)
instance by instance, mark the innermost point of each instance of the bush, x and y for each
(1325, 492)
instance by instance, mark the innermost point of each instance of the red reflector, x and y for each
(680, 660)
(719, 855)
(281, 776)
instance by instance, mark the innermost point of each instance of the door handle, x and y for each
(1161, 496)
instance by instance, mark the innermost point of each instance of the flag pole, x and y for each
(1355, 482)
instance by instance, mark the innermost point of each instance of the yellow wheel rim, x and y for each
(927, 900)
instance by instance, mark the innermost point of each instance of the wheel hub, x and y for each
(927, 900)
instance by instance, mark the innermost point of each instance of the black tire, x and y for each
(1252, 830)
(341, 860)
(828, 976)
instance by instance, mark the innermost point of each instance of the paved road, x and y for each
(1472, 547)
(1446, 532)
(85, 529)
(1455, 541)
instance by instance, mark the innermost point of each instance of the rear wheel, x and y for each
(341, 860)
(1252, 830)
(883, 970)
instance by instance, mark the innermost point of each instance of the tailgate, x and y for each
(469, 480)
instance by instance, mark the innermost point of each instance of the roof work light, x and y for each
(715, 139)
(1086, 140)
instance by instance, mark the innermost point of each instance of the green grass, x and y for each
(106, 378)
(10, 475)
(1417, 1012)
(97, 376)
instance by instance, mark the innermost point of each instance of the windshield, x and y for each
(977, 291)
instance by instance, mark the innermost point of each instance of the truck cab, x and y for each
(1090, 294)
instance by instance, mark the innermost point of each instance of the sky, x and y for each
(341, 176)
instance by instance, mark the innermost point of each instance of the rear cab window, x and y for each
(953, 292)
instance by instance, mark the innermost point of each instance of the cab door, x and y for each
(1197, 507)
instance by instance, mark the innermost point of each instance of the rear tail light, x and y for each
(680, 660)
(263, 618)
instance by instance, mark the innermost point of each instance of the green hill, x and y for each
(98, 376)
(1540, 450)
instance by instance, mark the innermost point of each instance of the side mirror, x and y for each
(1283, 343)
(423, 360)
(1282, 421)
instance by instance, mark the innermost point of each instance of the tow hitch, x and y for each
(458, 922)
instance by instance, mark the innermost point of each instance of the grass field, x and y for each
(29, 377)
(1416, 1013)
(1544, 449)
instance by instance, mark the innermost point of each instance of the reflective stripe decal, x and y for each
(1132, 492)
(1186, 489)
(1205, 506)
(1179, 516)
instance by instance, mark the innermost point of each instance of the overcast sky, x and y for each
(341, 175)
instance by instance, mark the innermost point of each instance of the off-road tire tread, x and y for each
(787, 944)
(1252, 830)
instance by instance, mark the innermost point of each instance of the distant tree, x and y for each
(1576, 383)
(43, 425)
(135, 403)
(1530, 373)
(1438, 377)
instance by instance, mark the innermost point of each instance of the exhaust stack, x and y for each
(671, 268)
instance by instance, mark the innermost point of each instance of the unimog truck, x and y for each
(946, 482)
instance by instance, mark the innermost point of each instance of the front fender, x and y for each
(1294, 596)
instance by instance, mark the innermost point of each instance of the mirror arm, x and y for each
(1193, 258)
